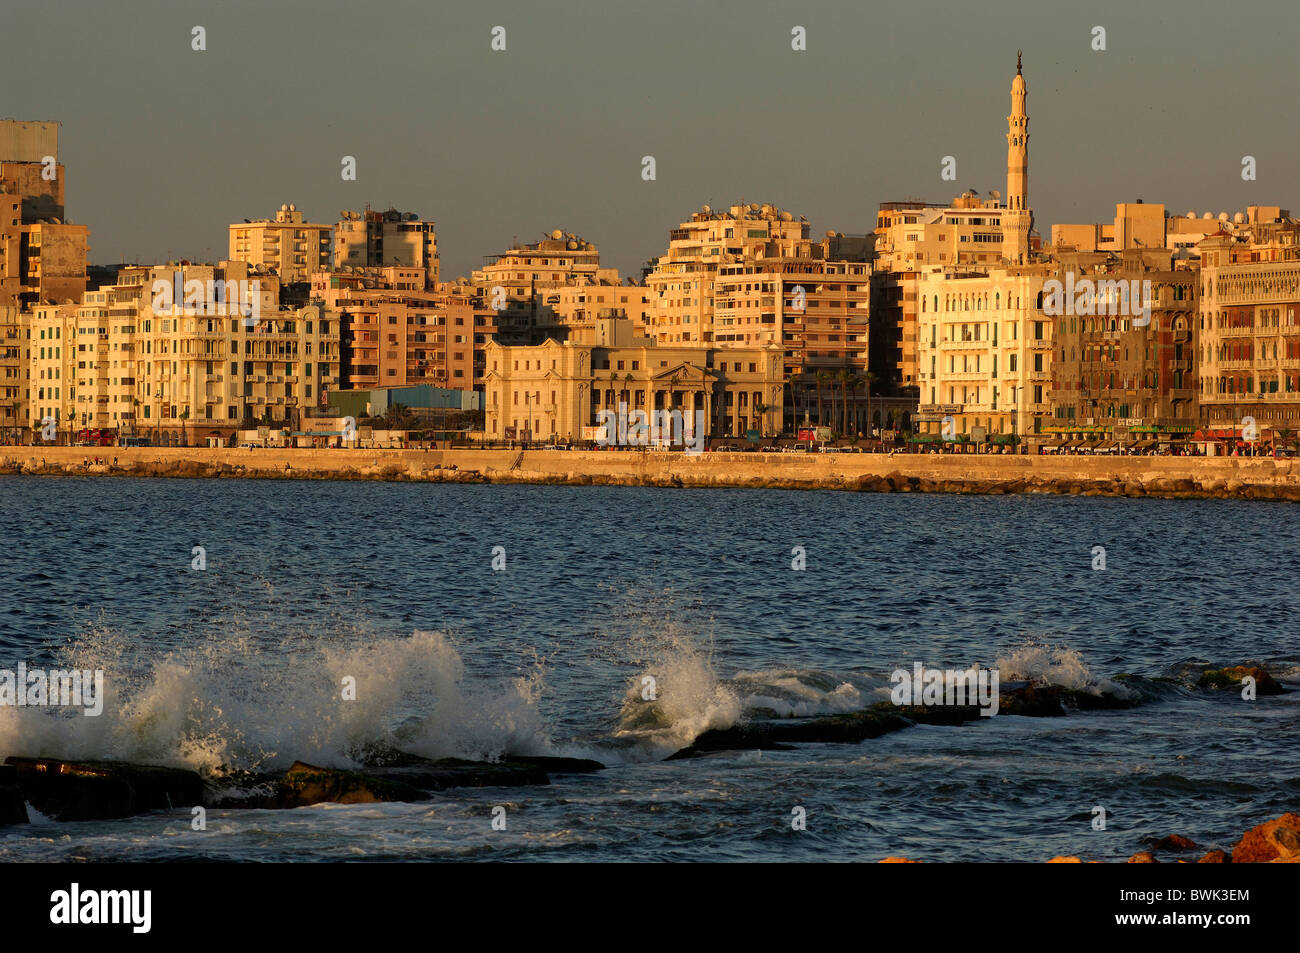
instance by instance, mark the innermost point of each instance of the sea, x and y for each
(231, 618)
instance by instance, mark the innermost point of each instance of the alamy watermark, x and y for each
(976, 687)
(41, 688)
(661, 428)
(1103, 297)
(208, 298)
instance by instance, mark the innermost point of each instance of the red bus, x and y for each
(96, 438)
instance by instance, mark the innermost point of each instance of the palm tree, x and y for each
(845, 376)
(868, 378)
(184, 415)
(760, 410)
(822, 377)
(72, 419)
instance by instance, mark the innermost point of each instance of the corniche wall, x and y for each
(1183, 477)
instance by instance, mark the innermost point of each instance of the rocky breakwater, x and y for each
(69, 790)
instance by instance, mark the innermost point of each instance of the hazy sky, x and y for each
(165, 146)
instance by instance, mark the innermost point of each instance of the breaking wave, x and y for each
(240, 703)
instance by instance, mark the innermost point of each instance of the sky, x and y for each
(165, 146)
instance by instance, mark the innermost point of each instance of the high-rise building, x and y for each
(683, 282)
(42, 255)
(293, 247)
(515, 283)
(387, 239)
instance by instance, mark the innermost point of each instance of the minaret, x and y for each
(1018, 219)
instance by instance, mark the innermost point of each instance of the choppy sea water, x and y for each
(239, 665)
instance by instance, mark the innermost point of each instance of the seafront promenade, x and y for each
(1179, 477)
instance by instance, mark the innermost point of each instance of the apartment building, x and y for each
(1248, 325)
(52, 368)
(399, 339)
(387, 239)
(570, 312)
(515, 283)
(984, 352)
(1125, 346)
(291, 246)
(178, 366)
(683, 282)
(15, 368)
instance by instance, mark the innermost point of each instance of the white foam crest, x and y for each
(244, 703)
(805, 693)
(1044, 664)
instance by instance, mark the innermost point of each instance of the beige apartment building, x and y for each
(387, 239)
(181, 366)
(1249, 330)
(294, 248)
(570, 312)
(682, 283)
(984, 352)
(52, 368)
(515, 283)
(15, 367)
(555, 390)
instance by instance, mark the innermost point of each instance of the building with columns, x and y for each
(554, 390)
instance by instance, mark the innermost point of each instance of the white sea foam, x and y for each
(240, 702)
(1056, 665)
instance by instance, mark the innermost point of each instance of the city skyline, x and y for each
(580, 169)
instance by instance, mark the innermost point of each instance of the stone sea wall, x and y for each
(1260, 478)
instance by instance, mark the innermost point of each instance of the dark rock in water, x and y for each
(456, 773)
(1173, 842)
(1265, 684)
(305, 784)
(1015, 698)
(1048, 701)
(390, 775)
(13, 806)
(851, 728)
(556, 765)
(98, 790)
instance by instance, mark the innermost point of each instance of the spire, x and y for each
(1018, 220)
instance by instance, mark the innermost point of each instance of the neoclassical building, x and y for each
(1249, 327)
(552, 391)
